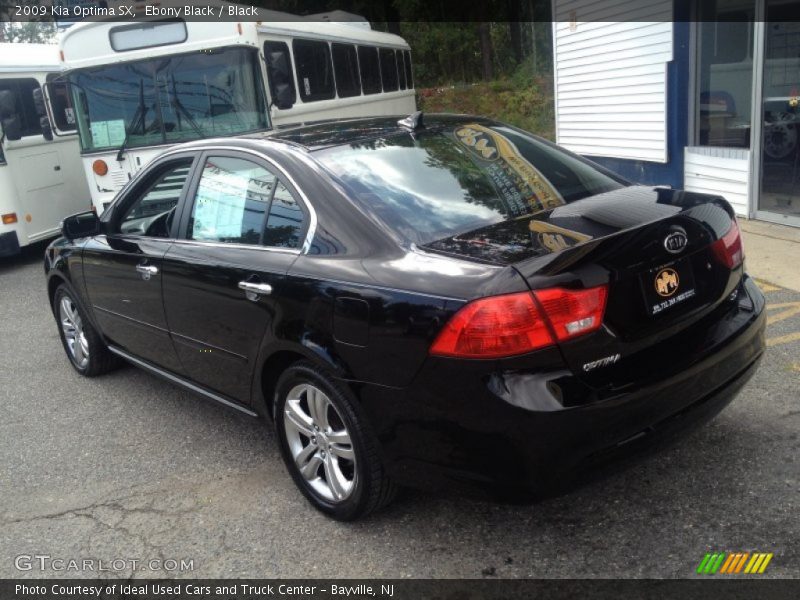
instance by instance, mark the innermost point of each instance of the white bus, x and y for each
(138, 87)
(41, 175)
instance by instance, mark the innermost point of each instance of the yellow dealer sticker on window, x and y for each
(556, 238)
(521, 184)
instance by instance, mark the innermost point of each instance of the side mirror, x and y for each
(47, 129)
(8, 106)
(81, 225)
(279, 67)
(12, 128)
(284, 96)
(38, 102)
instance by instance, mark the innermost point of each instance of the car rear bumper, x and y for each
(511, 429)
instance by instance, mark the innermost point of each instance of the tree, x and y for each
(36, 32)
(33, 30)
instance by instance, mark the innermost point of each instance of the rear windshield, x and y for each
(443, 182)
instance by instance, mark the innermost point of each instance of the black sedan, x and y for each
(442, 302)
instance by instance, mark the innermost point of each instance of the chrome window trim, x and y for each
(312, 213)
(236, 245)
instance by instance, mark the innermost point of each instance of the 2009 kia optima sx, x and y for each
(415, 302)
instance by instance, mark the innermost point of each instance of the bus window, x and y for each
(370, 71)
(407, 62)
(388, 70)
(147, 35)
(314, 71)
(345, 67)
(279, 74)
(22, 89)
(60, 103)
(401, 70)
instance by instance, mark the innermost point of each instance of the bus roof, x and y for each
(20, 58)
(88, 44)
(334, 31)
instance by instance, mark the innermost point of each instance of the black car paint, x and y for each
(367, 307)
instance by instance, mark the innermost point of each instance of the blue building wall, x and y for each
(671, 172)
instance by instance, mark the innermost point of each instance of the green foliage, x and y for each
(450, 53)
(523, 99)
(30, 31)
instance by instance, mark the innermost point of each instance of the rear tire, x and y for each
(327, 446)
(86, 351)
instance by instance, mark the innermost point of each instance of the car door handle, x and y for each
(147, 271)
(262, 289)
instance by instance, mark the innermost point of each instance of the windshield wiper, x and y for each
(138, 116)
(180, 108)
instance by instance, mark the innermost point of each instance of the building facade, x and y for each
(697, 95)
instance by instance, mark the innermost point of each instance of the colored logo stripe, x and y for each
(734, 562)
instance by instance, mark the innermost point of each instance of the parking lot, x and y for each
(127, 466)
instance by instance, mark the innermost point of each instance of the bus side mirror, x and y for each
(47, 129)
(38, 102)
(81, 225)
(41, 110)
(279, 67)
(280, 76)
(283, 97)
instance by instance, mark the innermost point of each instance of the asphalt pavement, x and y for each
(128, 467)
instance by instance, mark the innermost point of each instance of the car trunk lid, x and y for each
(655, 250)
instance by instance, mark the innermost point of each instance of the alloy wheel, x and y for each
(74, 335)
(319, 442)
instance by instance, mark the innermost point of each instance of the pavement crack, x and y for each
(114, 505)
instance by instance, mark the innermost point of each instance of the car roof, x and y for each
(319, 135)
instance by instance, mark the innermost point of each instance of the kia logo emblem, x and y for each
(675, 242)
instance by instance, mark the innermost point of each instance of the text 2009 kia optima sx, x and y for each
(415, 303)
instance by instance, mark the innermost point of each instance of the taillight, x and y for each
(573, 312)
(512, 324)
(493, 327)
(728, 249)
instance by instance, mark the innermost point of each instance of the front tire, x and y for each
(86, 351)
(327, 446)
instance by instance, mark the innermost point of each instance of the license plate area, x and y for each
(667, 287)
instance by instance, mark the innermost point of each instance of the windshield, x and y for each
(439, 183)
(169, 99)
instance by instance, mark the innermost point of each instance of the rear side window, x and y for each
(370, 69)
(232, 201)
(345, 67)
(401, 68)
(314, 70)
(407, 65)
(286, 220)
(388, 70)
(445, 182)
(22, 90)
